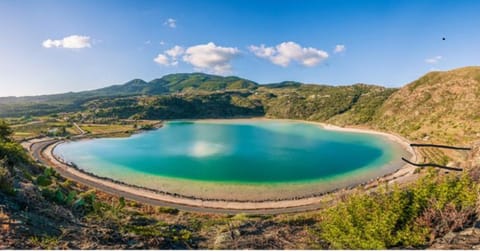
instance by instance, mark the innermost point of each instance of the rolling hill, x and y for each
(73, 101)
(441, 107)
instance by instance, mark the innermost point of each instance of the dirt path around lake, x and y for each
(43, 151)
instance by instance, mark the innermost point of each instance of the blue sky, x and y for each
(58, 46)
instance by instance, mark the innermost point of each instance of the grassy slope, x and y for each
(439, 107)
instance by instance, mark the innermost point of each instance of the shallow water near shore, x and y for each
(238, 159)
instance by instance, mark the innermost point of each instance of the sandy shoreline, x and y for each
(399, 175)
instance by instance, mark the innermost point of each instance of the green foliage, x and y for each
(343, 105)
(43, 180)
(6, 184)
(5, 131)
(13, 153)
(79, 203)
(389, 219)
(47, 242)
(49, 171)
(147, 127)
(59, 196)
(121, 203)
(72, 195)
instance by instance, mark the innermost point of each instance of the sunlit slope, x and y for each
(439, 107)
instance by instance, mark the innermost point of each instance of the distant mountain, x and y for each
(44, 104)
(440, 106)
(175, 83)
(179, 82)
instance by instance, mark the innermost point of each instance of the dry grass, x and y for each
(106, 128)
(4, 221)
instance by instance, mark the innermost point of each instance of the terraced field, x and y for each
(432, 155)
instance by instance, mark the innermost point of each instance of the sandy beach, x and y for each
(403, 173)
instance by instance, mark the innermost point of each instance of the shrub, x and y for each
(43, 180)
(6, 185)
(407, 218)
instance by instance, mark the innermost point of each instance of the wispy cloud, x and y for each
(339, 49)
(162, 59)
(433, 60)
(174, 52)
(286, 52)
(169, 57)
(71, 42)
(172, 23)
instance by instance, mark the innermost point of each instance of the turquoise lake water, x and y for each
(236, 152)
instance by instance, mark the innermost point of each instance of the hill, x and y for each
(439, 107)
(300, 101)
(73, 101)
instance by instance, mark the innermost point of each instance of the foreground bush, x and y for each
(409, 217)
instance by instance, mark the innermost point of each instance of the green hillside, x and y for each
(440, 107)
(73, 101)
(179, 82)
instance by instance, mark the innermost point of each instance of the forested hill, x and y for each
(73, 101)
(189, 95)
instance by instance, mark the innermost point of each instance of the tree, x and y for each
(5, 131)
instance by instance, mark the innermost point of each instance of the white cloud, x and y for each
(162, 59)
(339, 49)
(286, 52)
(72, 42)
(433, 60)
(262, 51)
(175, 51)
(210, 57)
(172, 23)
(205, 57)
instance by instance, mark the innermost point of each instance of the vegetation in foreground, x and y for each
(402, 218)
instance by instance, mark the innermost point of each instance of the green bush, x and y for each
(6, 185)
(405, 218)
(59, 196)
(71, 197)
(43, 180)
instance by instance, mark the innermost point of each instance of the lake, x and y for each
(238, 159)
